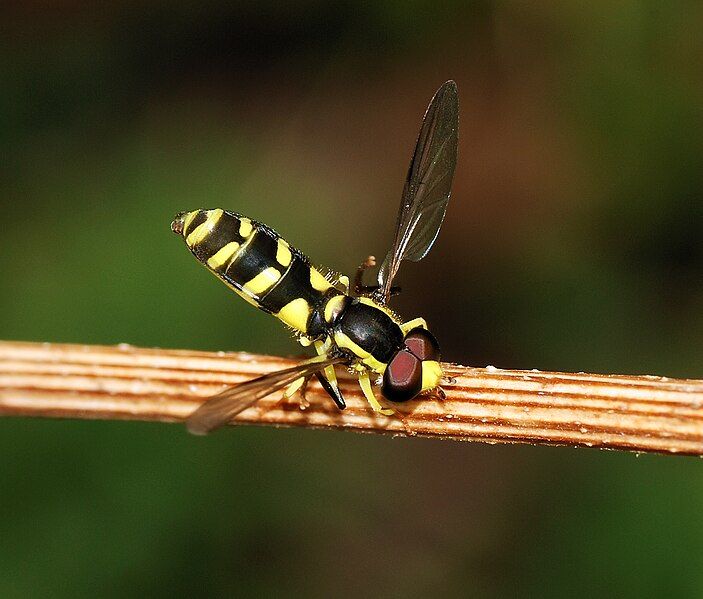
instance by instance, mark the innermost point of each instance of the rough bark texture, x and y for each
(639, 413)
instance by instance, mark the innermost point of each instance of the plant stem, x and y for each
(638, 413)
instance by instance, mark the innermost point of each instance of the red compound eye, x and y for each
(422, 344)
(402, 379)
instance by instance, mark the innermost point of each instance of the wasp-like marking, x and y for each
(357, 330)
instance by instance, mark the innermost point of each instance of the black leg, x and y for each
(333, 392)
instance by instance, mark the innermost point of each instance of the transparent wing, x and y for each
(221, 408)
(427, 186)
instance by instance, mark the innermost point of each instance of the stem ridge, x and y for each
(637, 413)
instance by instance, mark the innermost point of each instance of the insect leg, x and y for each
(365, 383)
(295, 386)
(298, 386)
(333, 392)
(328, 377)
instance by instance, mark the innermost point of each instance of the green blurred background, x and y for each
(574, 241)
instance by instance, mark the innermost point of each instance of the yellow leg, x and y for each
(294, 387)
(329, 373)
(322, 347)
(365, 383)
(413, 324)
(299, 384)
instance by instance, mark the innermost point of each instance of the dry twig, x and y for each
(640, 413)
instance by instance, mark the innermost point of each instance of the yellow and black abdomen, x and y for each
(258, 264)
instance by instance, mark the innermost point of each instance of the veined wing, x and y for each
(221, 408)
(427, 186)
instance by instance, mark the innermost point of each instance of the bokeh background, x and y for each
(574, 241)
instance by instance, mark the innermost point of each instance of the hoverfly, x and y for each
(354, 328)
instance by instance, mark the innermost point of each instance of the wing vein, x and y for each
(427, 186)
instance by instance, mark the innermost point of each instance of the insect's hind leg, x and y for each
(327, 378)
(297, 386)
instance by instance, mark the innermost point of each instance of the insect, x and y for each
(350, 327)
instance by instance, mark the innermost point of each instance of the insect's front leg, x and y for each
(365, 384)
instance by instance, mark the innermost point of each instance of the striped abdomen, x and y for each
(258, 264)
